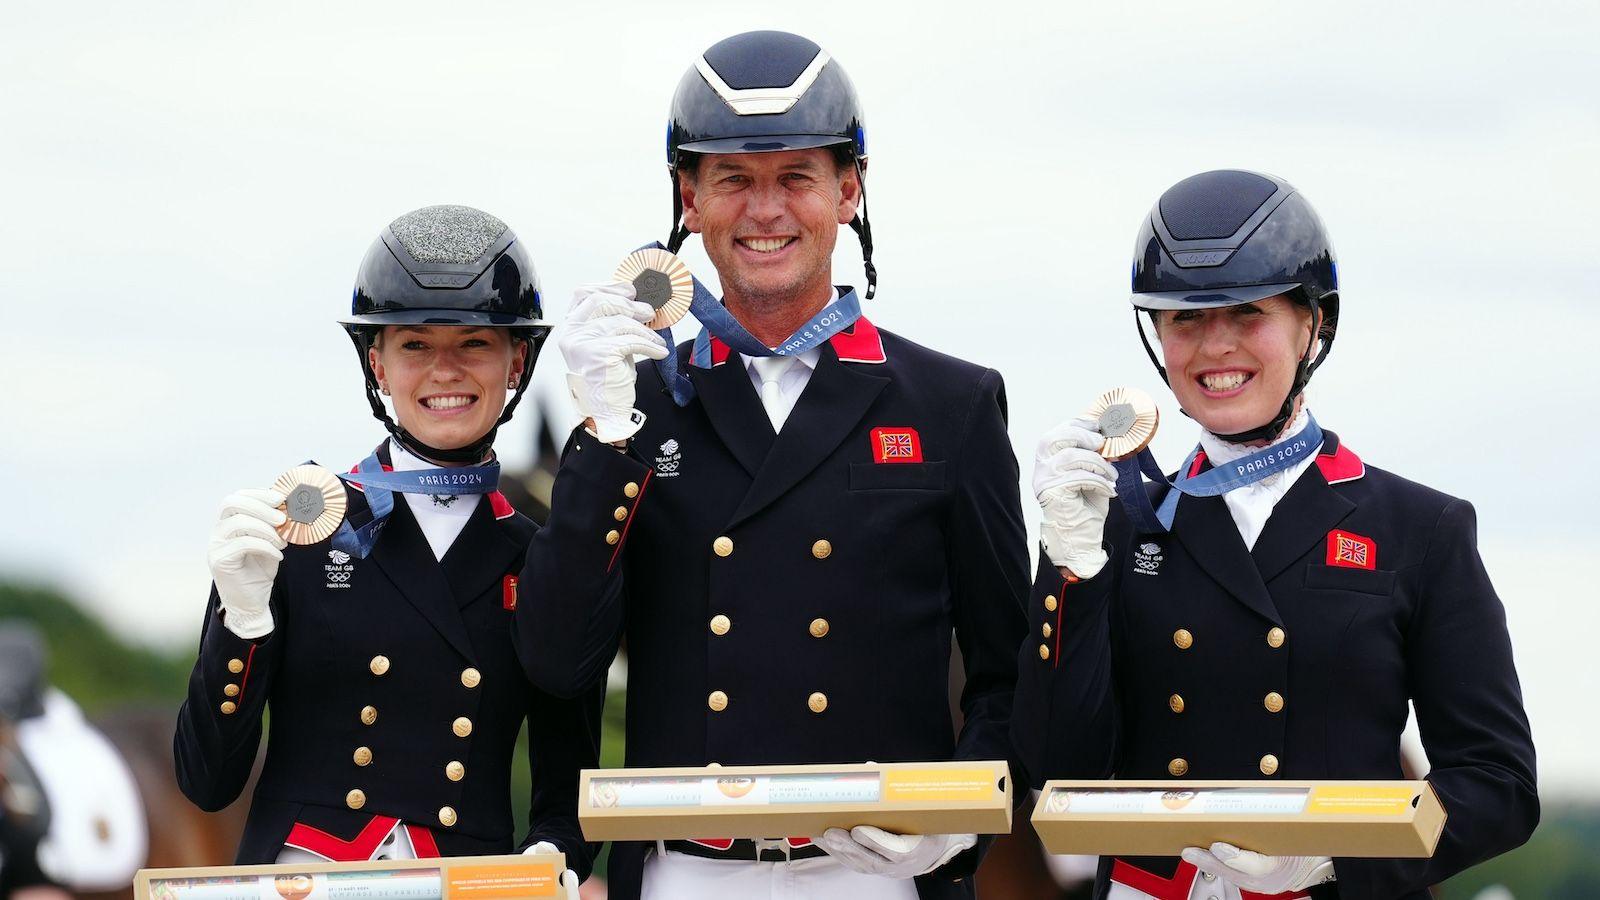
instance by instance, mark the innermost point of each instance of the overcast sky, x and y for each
(186, 189)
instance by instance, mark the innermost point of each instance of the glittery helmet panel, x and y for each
(454, 235)
(447, 265)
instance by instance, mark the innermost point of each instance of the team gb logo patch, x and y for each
(1147, 558)
(668, 460)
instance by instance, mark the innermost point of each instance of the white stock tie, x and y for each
(771, 369)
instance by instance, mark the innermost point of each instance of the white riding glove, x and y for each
(1262, 874)
(245, 551)
(873, 851)
(569, 878)
(1074, 484)
(604, 332)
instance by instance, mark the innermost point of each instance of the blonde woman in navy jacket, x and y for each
(1273, 615)
(387, 657)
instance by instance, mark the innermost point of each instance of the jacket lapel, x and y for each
(480, 556)
(402, 552)
(832, 404)
(1302, 519)
(735, 411)
(1206, 528)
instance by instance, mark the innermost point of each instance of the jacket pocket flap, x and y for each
(1340, 578)
(923, 476)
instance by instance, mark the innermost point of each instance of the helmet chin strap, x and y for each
(475, 452)
(863, 229)
(1302, 376)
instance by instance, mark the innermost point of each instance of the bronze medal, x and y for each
(314, 504)
(661, 280)
(1127, 417)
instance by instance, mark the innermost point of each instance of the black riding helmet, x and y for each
(1230, 237)
(446, 265)
(764, 91)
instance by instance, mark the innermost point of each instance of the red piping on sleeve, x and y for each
(623, 541)
(243, 682)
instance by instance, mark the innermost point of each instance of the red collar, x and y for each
(860, 343)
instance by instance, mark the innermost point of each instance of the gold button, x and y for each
(613, 536)
(1183, 639)
(229, 707)
(1178, 767)
(1175, 703)
(818, 701)
(1273, 702)
(363, 756)
(1047, 629)
(1050, 603)
(356, 799)
(447, 816)
(471, 677)
(819, 627)
(822, 549)
(720, 624)
(723, 546)
(379, 665)
(454, 770)
(1275, 637)
(235, 666)
(230, 690)
(1044, 651)
(369, 714)
(619, 513)
(631, 489)
(462, 726)
(718, 701)
(1269, 764)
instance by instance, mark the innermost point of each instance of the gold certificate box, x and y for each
(1281, 818)
(450, 878)
(794, 801)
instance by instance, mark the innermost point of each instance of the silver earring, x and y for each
(385, 390)
(511, 385)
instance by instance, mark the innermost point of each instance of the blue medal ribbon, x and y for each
(715, 320)
(381, 486)
(1213, 482)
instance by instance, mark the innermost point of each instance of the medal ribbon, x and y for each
(381, 486)
(1213, 482)
(716, 321)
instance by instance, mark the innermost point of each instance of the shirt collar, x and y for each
(809, 357)
(1220, 451)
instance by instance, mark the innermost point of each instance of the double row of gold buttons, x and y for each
(721, 624)
(454, 770)
(1183, 639)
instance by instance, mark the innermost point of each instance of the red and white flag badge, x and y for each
(1351, 551)
(508, 592)
(896, 445)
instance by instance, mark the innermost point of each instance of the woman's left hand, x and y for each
(569, 878)
(1260, 873)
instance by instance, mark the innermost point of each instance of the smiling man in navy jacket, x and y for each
(790, 518)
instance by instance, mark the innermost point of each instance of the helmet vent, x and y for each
(447, 235)
(1213, 204)
(761, 59)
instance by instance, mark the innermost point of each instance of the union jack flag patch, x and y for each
(1351, 551)
(896, 445)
